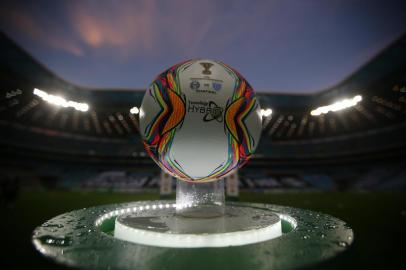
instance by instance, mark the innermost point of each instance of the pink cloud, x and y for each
(147, 26)
(25, 23)
(127, 27)
(132, 28)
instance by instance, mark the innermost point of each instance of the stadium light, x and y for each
(266, 112)
(60, 101)
(337, 106)
(134, 110)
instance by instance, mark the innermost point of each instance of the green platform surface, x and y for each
(378, 221)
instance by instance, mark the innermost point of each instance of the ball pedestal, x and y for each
(201, 200)
(195, 231)
(200, 218)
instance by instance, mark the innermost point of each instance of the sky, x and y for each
(289, 46)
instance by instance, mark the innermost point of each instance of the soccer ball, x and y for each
(200, 120)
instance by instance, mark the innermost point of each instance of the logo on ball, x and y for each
(214, 113)
(216, 86)
(194, 85)
(206, 67)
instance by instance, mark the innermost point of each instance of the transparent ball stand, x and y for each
(200, 218)
(200, 200)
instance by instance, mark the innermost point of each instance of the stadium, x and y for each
(340, 151)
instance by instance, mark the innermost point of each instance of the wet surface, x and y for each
(235, 219)
(73, 239)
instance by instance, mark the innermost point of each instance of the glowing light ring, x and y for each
(173, 240)
(82, 248)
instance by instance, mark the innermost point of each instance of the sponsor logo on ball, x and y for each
(210, 110)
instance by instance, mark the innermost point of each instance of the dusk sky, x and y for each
(288, 46)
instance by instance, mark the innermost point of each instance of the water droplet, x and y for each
(49, 241)
(342, 244)
(55, 241)
(47, 225)
(329, 226)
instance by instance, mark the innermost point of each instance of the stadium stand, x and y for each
(302, 147)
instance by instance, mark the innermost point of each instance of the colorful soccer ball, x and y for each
(200, 120)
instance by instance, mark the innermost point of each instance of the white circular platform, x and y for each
(239, 226)
(84, 239)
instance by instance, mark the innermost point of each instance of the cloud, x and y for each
(126, 27)
(22, 21)
(144, 27)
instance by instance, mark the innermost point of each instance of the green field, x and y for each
(378, 220)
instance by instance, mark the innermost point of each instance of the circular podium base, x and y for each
(92, 238)
(238, 226)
